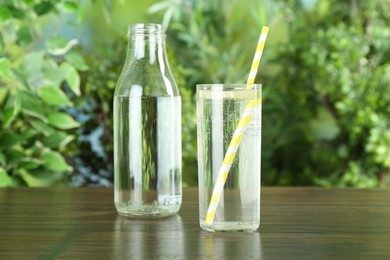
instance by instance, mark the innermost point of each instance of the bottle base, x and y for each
(148, 211)
(230, 226)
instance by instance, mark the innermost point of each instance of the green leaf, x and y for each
(62, 120)
(55, 162)
(5, 14)
(43, 8)
(53, 96)
(71, 6)
(16, 12)
(58, 139)
(8, 139)
(324, 127)
(72, 77)
(107, 8)
(51, 72)
(32, 65)
(39, 178)
(57, 45)
(28, 2)
(30, 163)
(5, 68)
(11, 108)
(26, 135)
(5, 180)
(13, 156)
(159, 6)
(76, 60)
(8, 32)
(31, 105)
(21, 80)
(24, 36)
(9, 116)
(42, 127)
(3, 94)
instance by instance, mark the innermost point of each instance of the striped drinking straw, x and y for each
(238, 133)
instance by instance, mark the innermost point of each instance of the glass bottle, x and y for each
(147, 129)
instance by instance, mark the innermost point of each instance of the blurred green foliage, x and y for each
(326, 90)
(325, 74)
(35, 86)
(335, 90)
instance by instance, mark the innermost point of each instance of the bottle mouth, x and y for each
(148, 29)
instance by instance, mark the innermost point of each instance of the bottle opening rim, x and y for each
(148, 29)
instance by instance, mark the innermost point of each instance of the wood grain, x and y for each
(296, 223)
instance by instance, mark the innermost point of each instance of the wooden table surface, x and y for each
(296, 223)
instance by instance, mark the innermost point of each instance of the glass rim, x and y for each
(146, 29)
(228, 86)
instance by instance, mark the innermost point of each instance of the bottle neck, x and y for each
(150, 49)
(146, 48)
(146, 63)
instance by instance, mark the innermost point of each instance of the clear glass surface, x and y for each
(219, 109)
(147, 129)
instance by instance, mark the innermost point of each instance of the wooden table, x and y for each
(296, 223)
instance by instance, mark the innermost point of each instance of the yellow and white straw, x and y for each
(238, 133)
